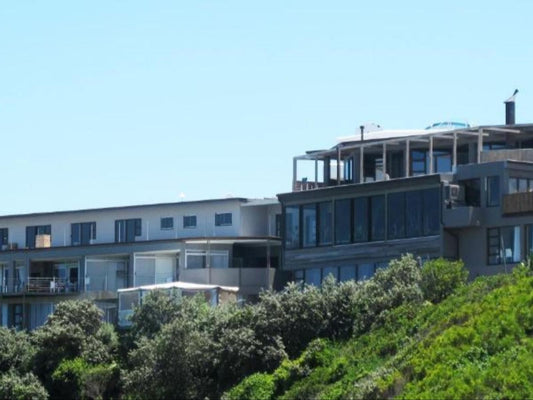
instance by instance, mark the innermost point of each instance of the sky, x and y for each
(109, 103)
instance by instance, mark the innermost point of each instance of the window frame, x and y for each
(166, 219)
(220, 219)
(186, 222)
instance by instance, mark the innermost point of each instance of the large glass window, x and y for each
(431, 211)
(360, 219)
(82, 233)
(343, 218)
(503, 245)
(529, 242)
(309, 225)
(396, 215)
(127, 229)
(195, 259)
(292, 227)
(442, 161)
(418, 162)
(333, 271)
(492, 185)
(347, 273)
(377, 217)
(325, 223)
(313, 276)
(365, 271)
(414, 213)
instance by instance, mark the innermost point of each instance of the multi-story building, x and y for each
(48, 257)
(450, 190)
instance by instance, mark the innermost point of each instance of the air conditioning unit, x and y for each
(454, 193)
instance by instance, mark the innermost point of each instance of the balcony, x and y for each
(517, 203)
(44, 285)
(462, 217)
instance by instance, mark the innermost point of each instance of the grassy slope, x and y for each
(475, 344)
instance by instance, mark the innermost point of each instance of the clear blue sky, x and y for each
(106, 103)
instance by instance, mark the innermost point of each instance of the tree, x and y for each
(25, 387)
(441, 277)
(16, 351)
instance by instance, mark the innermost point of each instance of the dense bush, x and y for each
(16, 351)
(25, 387)
(440, 278)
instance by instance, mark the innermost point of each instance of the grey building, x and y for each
(450, 190)
(49, 257)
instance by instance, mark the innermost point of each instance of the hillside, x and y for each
(476, 343)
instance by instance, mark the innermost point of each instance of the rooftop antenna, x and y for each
(510, 109)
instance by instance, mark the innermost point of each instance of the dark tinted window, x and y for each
(292, 227)
(167, 223)
(325, 223)
(309, 225)
(360, 219)
(377, 217)
(224, 219)
(4, 238)
(493, 191)
(189, 221)
(396, 215)
(343, 218)
(431, 222)
(414, 213)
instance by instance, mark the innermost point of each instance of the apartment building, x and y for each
(451, 190)
(49, 257)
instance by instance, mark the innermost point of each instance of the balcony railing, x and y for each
(517, 203)
(46, 285)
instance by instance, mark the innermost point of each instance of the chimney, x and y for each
(362, 127)
(510, 109)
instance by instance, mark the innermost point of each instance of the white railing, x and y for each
(51, 285)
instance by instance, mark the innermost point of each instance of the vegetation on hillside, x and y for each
(408, 332)
(475, 343)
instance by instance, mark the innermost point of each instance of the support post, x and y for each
(294, 169)
(454, 152)
(407, 156)
(431, 154)
(361, 164)
(384, 157)
(479, 145)
(338, 165)
(316, 172)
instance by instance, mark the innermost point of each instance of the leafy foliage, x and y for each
(440, 278)
(16, 351)
(25, 387)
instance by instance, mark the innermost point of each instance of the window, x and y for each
(4, 237)
(313, 276)
(189, 221)
(82, 233)
(298, 276)
(519, 185)
(472, 192)
(430, 218)
(333, 271)
(127, 229)
(377, 217)
(347, 273)
(292, 227)
(196, 259)
(167, 223)
(418, 162)
(223, 219)
(396, 215)
(277, 231)
(343, 221)
(529, 243)
(414, 213)
(503, 245)
(309, 225)
(492, 186)
(365, 271)
(360, 219)
(33, 231)
(325, 223)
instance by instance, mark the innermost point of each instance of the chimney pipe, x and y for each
(510, 109)
(362, 127)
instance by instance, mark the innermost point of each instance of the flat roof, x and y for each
(114, 208)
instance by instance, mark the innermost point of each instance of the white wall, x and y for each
(151, 222)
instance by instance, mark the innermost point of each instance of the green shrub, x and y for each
(258, 386)
(441, 277)
(25, 387)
